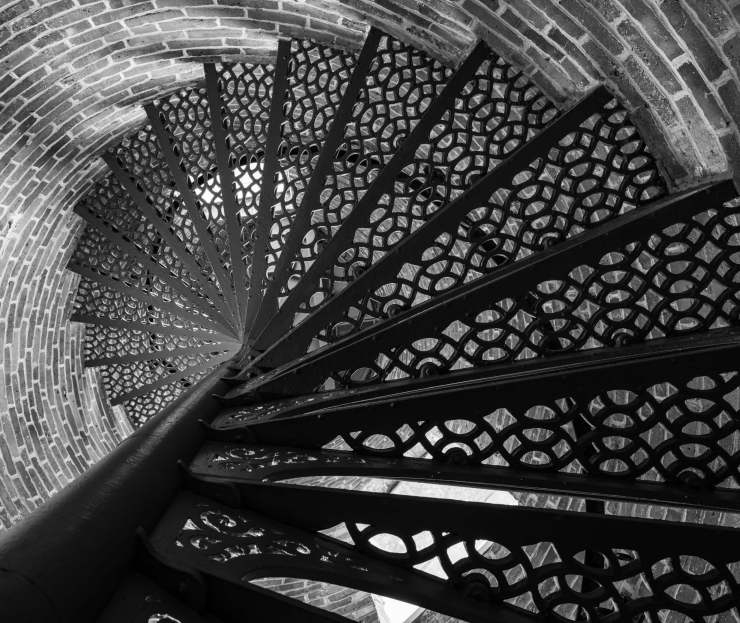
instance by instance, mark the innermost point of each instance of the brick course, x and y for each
(73, 74)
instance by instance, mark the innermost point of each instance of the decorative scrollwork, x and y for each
(246, 92)
(224, 535)
(680, 431)
(141, 158)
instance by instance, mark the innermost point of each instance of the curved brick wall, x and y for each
(72, 76)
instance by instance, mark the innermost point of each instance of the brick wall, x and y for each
(74, 72)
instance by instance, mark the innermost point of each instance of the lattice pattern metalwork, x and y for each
(246, 91)
(108, 206)
(400, 86)
(318, 77)
(596, 172)
(489, 286)
(682, 279)
(141, 160)
(145, 406)
(525, 565)
(102, 302)
(186, 119)
(111, 342)
(681, 431)
(121, 380)
(111, 263)
(563, 579)
(496, 112)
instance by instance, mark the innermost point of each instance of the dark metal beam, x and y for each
(172, 378)
(267, 188)
(512, 281)
(226, 174)
(575, 374)
(139, 197)
(312, 193)
(664, 396)
(620, 547)
(211, 593)
(151, 264)
(284, 346)
(65, 560)
(200, 534)
(239, 462)
(472, 520)
(145, 297)
(166, 146)
(360, 215)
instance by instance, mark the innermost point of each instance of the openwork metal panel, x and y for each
(683, 279)
(245, 92)
(317, 78)
(109, 207)
(681, 430)
(141, 160)
(422, 277)
(594, 173)
(509, 563)
(164, 388)
(186, 120)
(124, 379)
(110, 342)
(400, 85)
(102, 303)
(495, 113)
(110, 263)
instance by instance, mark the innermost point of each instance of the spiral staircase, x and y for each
(411, 273)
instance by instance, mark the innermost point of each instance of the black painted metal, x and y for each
(141, 295)
(514, 281)
(198, 533)
(609, 413)
(360, 215)
(64, 561)
(210, 593)
(242, 462)
(294, 343)
(150, 264)
(139, 197)
(226, 175)
(147, 327)
(176, 374)
(581, 371)
(139, 599)
(302, 219)
(662, 410)
(167, 146)
(625, 546)
(267, 192)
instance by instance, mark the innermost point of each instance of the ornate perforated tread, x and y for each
(425, 274)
